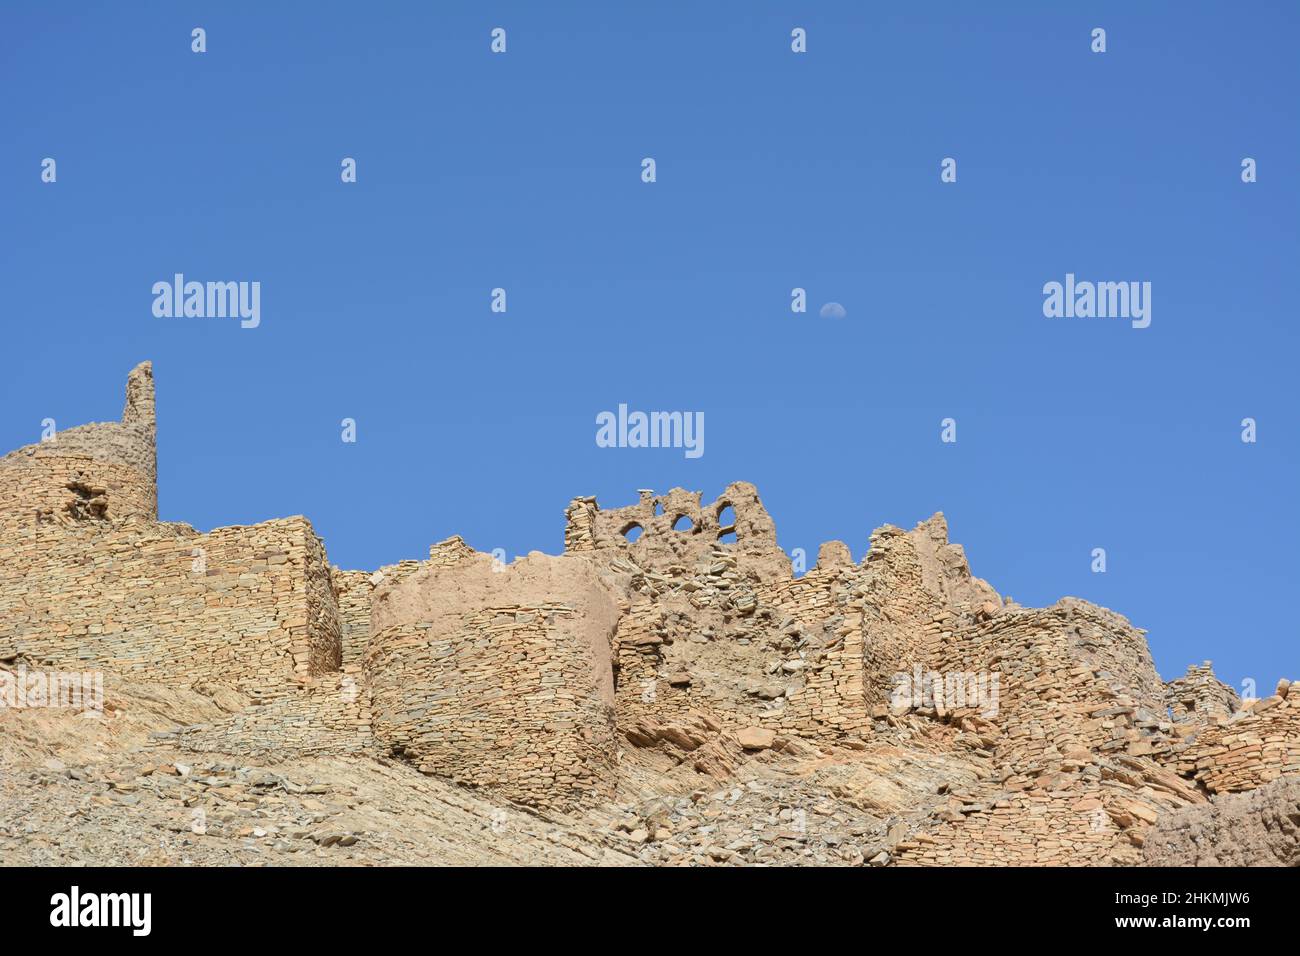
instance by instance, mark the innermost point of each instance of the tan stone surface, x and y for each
(681, 699)
(499, 676)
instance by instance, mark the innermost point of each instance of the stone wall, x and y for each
(499, 676)
(1200, 697)
(826, 606)
(528, 678)
(918, 592)
(1258, 745)
(98, 473)
(1078, 734)
(901, 617)
(354, 591)
(716, 638)
(48, 488)
(90, 579)
(737, 521)
(250, 605)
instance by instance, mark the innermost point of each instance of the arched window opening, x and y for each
(727, 524)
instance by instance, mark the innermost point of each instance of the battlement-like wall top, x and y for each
(678, 528)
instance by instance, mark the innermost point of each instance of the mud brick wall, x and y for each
(354, 590)
(515, 695)
(248, 605)
(1259, 745)
(330, 714)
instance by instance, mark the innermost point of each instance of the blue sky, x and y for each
(775, 170)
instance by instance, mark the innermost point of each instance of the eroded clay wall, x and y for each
(354, 591)
(499, 677)
(737, 521)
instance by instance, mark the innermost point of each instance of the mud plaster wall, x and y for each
(499, 677)
(354, 591)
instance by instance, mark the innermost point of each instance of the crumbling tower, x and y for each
(104, 472)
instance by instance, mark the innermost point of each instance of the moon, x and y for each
(833, 310)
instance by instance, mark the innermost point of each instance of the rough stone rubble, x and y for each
(681, 698)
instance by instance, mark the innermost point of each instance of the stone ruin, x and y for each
(671, 626)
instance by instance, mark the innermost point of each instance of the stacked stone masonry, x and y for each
(1258, 744)
(1200, 697)
(513, 695)
(253, 606)
(1079, 736)
(671, 619)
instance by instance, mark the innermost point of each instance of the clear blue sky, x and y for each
(775, 170)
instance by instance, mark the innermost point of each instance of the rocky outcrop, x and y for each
(1259, 828)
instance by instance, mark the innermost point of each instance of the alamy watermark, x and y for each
(208, 300)
(946, 690)
(1100, 300)
(23, 689)
(651, 430)
(75, 908)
